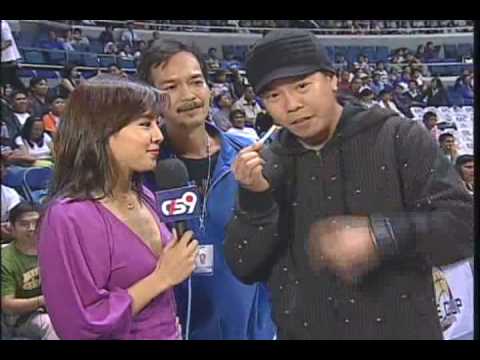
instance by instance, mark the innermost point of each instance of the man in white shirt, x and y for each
(249, 105)
(237, 118)
(10, 58)
(129, 36)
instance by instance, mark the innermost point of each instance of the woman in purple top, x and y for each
(108, 266)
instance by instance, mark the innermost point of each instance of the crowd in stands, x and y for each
(322, 26)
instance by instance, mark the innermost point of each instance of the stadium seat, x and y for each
(47, 74)
(106, 61)
(91, 60)
(96, 46)
(382, 53)
(454, 98)
(330, 52)
(126, 63)
(340, 51)
(34, 57)
(465, 50)
(27, 73)
(450, 51)
(227, 49)
(76, 58)
(56, 57)
(35, 183)
(352, 53)
(370, 52)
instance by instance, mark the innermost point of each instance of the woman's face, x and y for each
(37, 130)
(135, 147)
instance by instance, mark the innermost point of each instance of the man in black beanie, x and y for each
(348, 209)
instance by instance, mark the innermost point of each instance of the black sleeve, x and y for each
(252, 238)
(438, 221)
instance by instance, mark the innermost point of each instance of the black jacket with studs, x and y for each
(377, 164)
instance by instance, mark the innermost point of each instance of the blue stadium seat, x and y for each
(465, 50)
(106, 61)
(454, 98)
(227, 49)
(96, 46)
(48, 74)
(352, 53)
(126, 63)
(240, 52)
(340, 51)
(34, 57)
(56, 57)
(76, 58)
(382, 53)
(330, 52)
(88, 74)
(450, 51)
(35, 183)
(90, 60)
(28, 73)
(369, 51)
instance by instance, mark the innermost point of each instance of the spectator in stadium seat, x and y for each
(416, 96)
(420, 53)
(249, 105)
(364, 64)
(341, 63)
(37, 101)
(429, 53)
(80, 42)
(52, 119)
(141, 46)
(465, 167)
(70, 80)
(344, 85)
(355, 86)
(366, 97)
(220, 85)
(35, 142)
(51, 42)
(155, 37)
(430, 121)
(380, 69)
(212, 60)
(10, 57)
(114, 69)
(107, 35)
(230, 62)
(448, 145)
(463, 85)
(238, 83)
(111, 48)
(377, 84)
(221, 111)
(237, 119)
(436, 94)
(385, 99)
(127, 52)
(129, 36)
(23, 305)
(402, 100)
(19, 114)
(67, 40)
(417, 75)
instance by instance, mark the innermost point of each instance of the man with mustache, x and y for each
(221, 306)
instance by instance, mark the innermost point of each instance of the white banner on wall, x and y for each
(454, 298)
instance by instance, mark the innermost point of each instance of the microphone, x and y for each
(177, 201)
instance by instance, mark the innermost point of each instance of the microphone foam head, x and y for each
(171, 173)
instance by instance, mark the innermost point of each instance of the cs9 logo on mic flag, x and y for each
(178, 204)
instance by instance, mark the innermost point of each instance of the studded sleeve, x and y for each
(438, 221)
(252, 240)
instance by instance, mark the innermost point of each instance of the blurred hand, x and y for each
(177, 260)
(343, 245)
(248, 167)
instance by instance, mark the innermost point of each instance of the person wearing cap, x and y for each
(366, 96)
(346, 211)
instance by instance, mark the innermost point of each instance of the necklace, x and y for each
(203, 215)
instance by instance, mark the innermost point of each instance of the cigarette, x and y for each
(268, 134)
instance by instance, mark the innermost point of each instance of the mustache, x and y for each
(190, 106)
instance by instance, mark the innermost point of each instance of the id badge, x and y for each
(204, 260)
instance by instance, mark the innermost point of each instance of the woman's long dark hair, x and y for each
(26, 132)
(95, 111)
